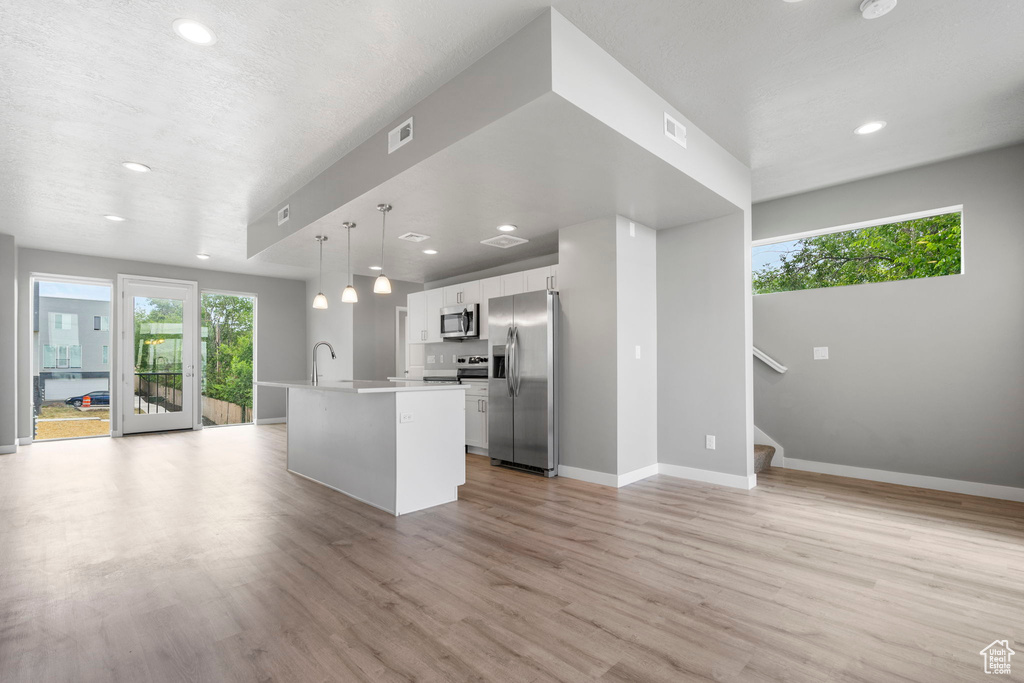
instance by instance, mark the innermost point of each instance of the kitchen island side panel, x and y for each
(430, 448)
(345, 441)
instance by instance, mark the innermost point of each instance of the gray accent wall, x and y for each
(925, 376)
(281, 317)
(8, 343)
(373, 327)
(703, 348)
(589, 383)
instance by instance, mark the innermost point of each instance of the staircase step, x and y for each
(763, 455)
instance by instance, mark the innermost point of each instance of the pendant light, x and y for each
(320, 301)
(349, 296)
(382, 285)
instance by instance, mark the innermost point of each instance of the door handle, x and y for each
(515, 361)
(508, 361)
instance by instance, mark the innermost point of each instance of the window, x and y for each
(905, 248)
(100, 323)
(62, 356)
(105, 356)
(75, 356)
(49, 356)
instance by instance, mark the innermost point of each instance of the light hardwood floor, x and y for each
(195, 556)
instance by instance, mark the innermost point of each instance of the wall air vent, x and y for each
(283, 214)
(504, 241)
(400, 135)
(414, 237)
(674, 130)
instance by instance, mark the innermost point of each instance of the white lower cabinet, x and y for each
(476, 416)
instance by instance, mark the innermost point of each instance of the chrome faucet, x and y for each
(315, 379)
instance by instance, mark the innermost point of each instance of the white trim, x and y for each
(620, 480)
(636, 475)
(769, 361)
(959, 208)
(970, 488)
(399, 341)
(271, 420)
(5, 450)
(591, 476)
(24, 440)
(735, 481)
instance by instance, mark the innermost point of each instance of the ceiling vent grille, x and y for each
(400, 135)
(414, 237)
(283, 214)
(674, 130)
(504, 241)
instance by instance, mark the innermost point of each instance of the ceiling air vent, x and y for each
(674, 130)
(283, 214)
(504, 241)
(413, 237)
(400, 135)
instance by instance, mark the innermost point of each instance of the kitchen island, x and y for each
(396, 446)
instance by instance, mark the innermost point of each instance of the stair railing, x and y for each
(769, 361)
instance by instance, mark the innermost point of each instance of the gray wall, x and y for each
(588, 403)
(373, 327)
(925, 376)
(637, 325)
(703, 353)
(281, 317)
(8, 342)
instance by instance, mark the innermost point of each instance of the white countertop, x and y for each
(361, 386)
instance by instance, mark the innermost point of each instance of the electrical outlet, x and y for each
(638, 352)
(709, 442)
(820, 353)
(405, 417)
(442, 359)
(431, 359)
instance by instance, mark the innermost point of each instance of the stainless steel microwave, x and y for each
(460, 322)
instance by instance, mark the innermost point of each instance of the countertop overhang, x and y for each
(360, 386)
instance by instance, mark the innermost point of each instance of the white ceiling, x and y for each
(291, 86)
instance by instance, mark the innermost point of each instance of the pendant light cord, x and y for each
(349, 231)
(321, 241)
(383, 227)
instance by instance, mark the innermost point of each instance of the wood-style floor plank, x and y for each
(196, 557)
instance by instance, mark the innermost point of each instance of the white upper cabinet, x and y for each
(435, 302)
(513, 283)
(462, 294)
(416, 322)
(489, 289)
(539, 279)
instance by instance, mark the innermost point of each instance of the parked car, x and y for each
(96, 398)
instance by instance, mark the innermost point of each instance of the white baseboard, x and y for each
(592, 476)
(24, 440)
(4, 450)
(271, 420)
(971, 488)
(620, 480)
(735, 481)
(636, 475)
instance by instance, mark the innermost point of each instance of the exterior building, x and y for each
(71, 343)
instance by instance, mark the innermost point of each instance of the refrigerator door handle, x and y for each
(508, 361)
(515, 344)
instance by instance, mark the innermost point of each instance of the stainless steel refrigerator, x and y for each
(522, 392)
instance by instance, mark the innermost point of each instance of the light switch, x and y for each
(638, 352)
(820, 353)
(632, 229)
(709, 442)
(405, 417)
(431, 359)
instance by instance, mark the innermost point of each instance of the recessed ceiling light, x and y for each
(508, 227)
(194, 32)
(136, 166)
(374, 267)
(430, 251)
(872, 9)
(202, 257)
(116, 219)
(869, 128)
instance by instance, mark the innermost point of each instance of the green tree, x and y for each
(925, 247)
(227, 323)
